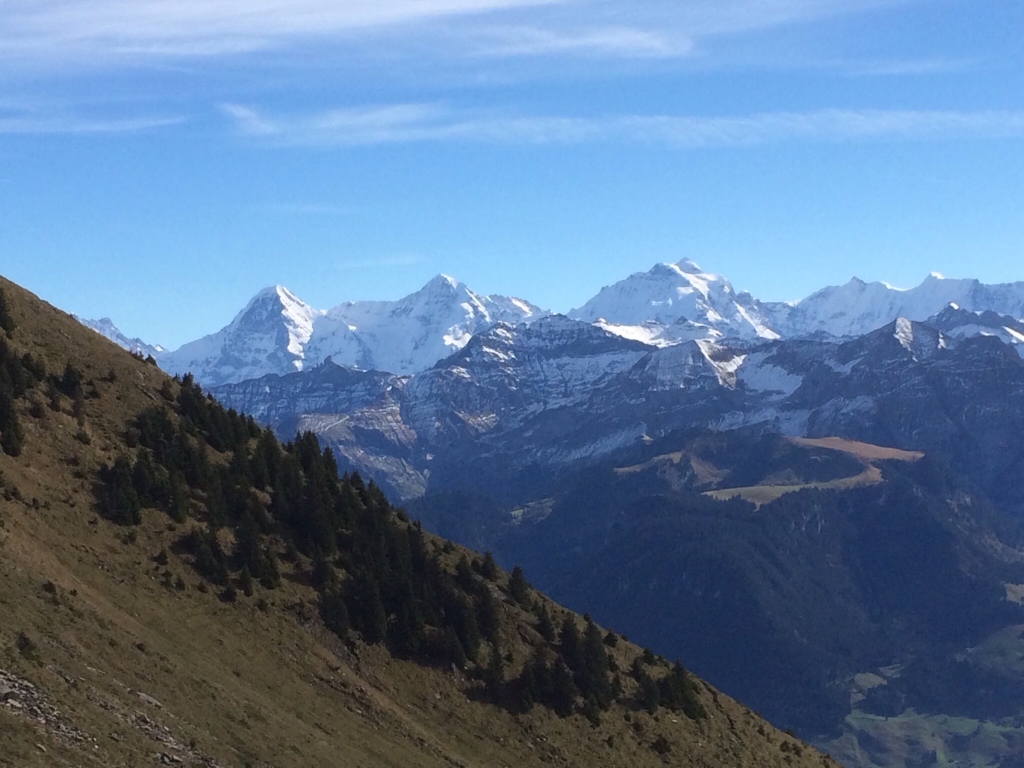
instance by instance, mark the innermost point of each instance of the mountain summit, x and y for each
(278, 333)
(268, 336)
(670, 304)
(676, 302)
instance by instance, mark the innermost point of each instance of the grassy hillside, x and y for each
(122, 644)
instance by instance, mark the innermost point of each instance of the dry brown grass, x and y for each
(140, 669)
(769, 489)
(866, 451)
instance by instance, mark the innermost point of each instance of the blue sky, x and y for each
(161, 161)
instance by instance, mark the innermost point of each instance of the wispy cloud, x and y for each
(928, 66)
(118, 29)
(60, 33)
(404, 123)
(595, 41)
(55, 124)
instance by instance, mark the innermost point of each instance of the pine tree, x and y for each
(463, 619)
(545, 625)
(11, 435)
(334, 613)
(518, 588)
(270, 578)
(245, 581)
(366, 610)
(563, 689)
(649, 695)
(592, 710)
(489, 568)
(593, 674)
(464, 574)
(488, 617)
(53, 395)
(495, 675)
(71, 381)
(118, 500)
(570, 645)
(6, 321)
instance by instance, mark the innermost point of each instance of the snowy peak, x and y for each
(858, 307)
(277, 305)
(413, 333)
(268, 336)
(959, 323)
(670, 304)
(105, 327)
(278, 333)
(672, 294)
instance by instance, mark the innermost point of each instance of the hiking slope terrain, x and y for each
(159, 609)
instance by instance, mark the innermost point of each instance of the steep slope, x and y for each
(676, 302)
(277, 333)
(116, 649)
(268, 336)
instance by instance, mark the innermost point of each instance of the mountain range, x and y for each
(276, 332)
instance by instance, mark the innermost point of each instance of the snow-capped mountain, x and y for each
(672, 303)
(278, 333)
(105, 327)
(858, 307)
(413, 333)
(268, 336)
(959, 323)
(669, 305)
(675, 303)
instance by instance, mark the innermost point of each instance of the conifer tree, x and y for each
(649, 695)
(545, 625)
(570, 646)
(495, 675)
(489, 568)
(488, 617)
(563, 689)
(464, 574)
(118, 501)
(270, 578)
(11, 434)
(245, 581)
(6, 321)
(518, 588)
(593, 674)
(334, 613)
(463, 618)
